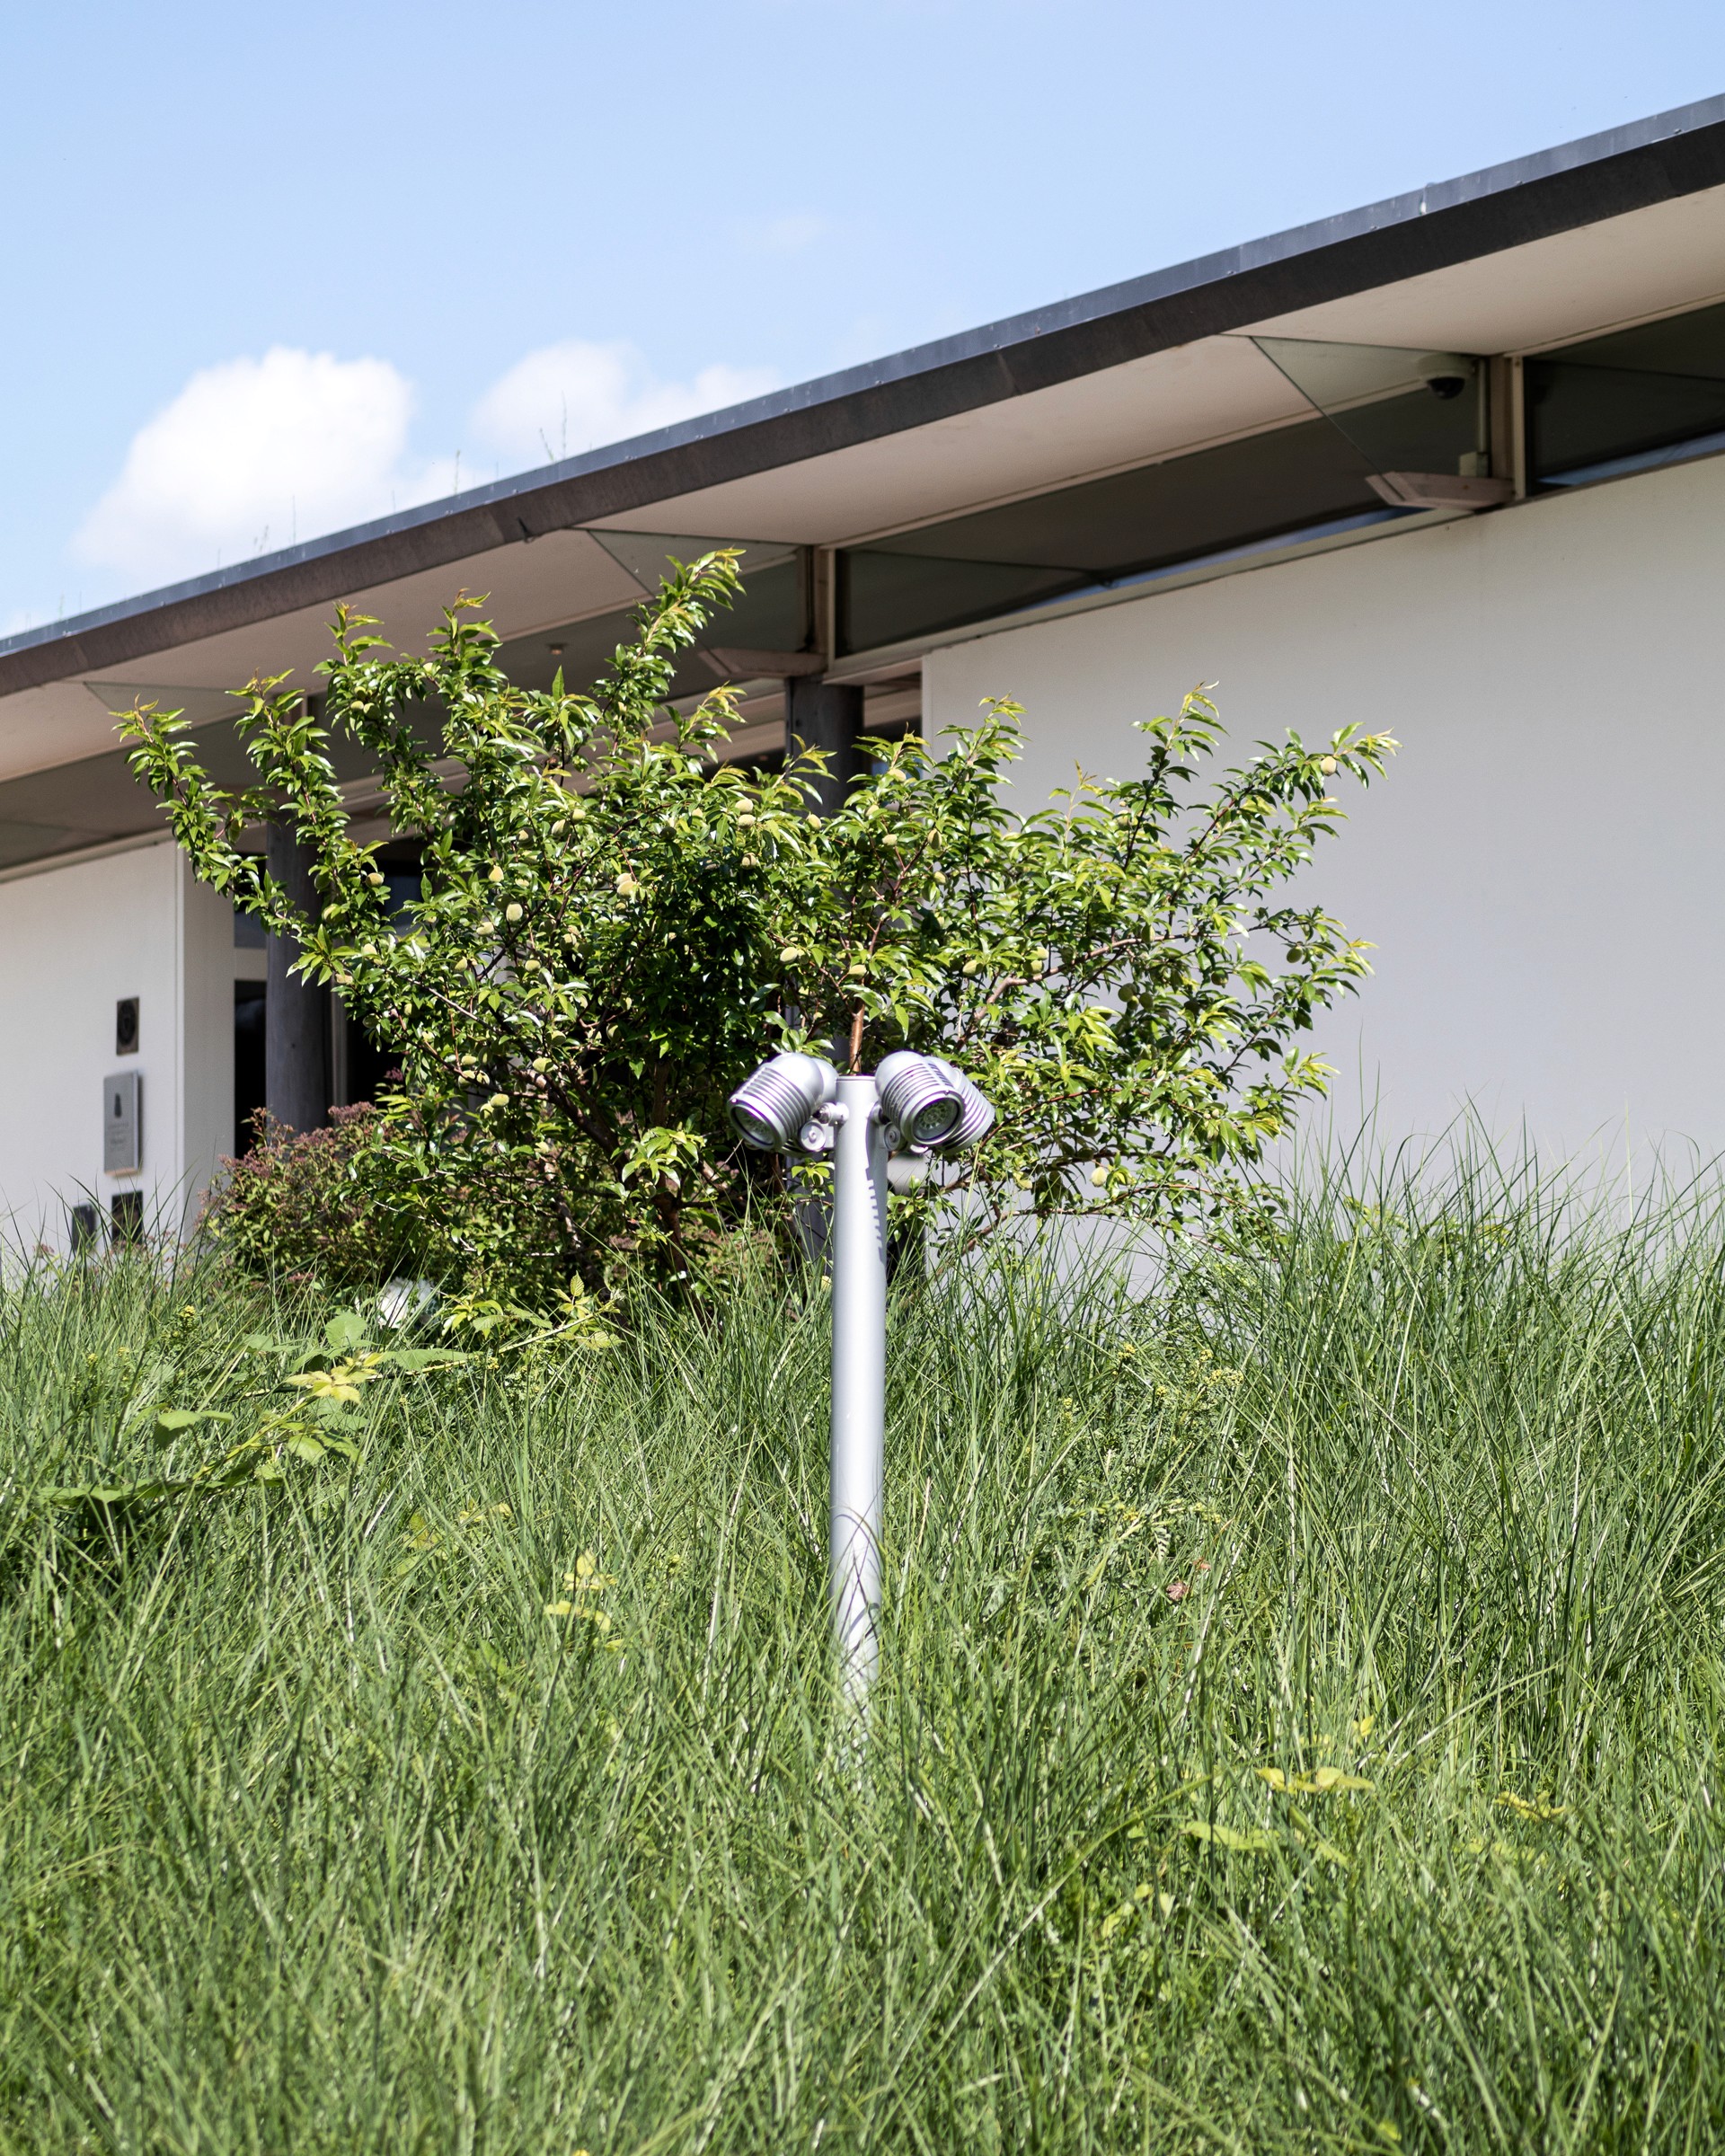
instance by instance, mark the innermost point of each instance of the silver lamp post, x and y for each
(800, 1105)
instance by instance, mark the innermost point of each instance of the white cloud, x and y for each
(254, 454)
(251, 455)
(574, 396)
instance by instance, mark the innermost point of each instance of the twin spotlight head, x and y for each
(926, 1105)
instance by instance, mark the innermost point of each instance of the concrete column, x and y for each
(295, 1015)
(825, 714)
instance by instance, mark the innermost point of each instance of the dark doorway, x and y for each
(370, 1064)
(248, 998)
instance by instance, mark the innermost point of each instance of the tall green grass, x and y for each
(1299, 1725)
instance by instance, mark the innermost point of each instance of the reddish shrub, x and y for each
(312, 1207)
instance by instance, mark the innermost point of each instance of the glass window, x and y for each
(1628, 401)
(1103, 531)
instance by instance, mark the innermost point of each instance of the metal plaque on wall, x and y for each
(122, 1123)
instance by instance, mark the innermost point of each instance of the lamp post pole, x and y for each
(859, 1255)
(798, 1104)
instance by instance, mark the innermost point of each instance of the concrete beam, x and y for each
(736, 663)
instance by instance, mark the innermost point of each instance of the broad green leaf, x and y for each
(174, 1422)
(1227, 1837)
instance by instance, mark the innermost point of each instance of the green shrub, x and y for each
(613, 927)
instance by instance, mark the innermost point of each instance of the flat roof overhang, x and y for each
(1609, 229)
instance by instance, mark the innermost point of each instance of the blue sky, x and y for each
(275, 269)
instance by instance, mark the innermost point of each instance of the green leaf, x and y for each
(112, 1493)
(1227, 1837)
(174, 1422)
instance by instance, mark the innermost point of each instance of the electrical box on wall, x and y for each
(122, 1123)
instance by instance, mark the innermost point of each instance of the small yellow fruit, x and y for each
(511, 913)
(496, 876)
(1327, 765)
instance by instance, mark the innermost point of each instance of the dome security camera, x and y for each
(1445, 374)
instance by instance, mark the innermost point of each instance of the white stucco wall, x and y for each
(1542, 870)
(73, 941)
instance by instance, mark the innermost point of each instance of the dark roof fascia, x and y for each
(1583, 183)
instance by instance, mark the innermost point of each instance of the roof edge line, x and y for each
(972, 369)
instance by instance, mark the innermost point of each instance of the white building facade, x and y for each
(1542, 871)
(1450, 467)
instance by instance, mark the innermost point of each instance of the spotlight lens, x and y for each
(930, 1123)
(752, 1128)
